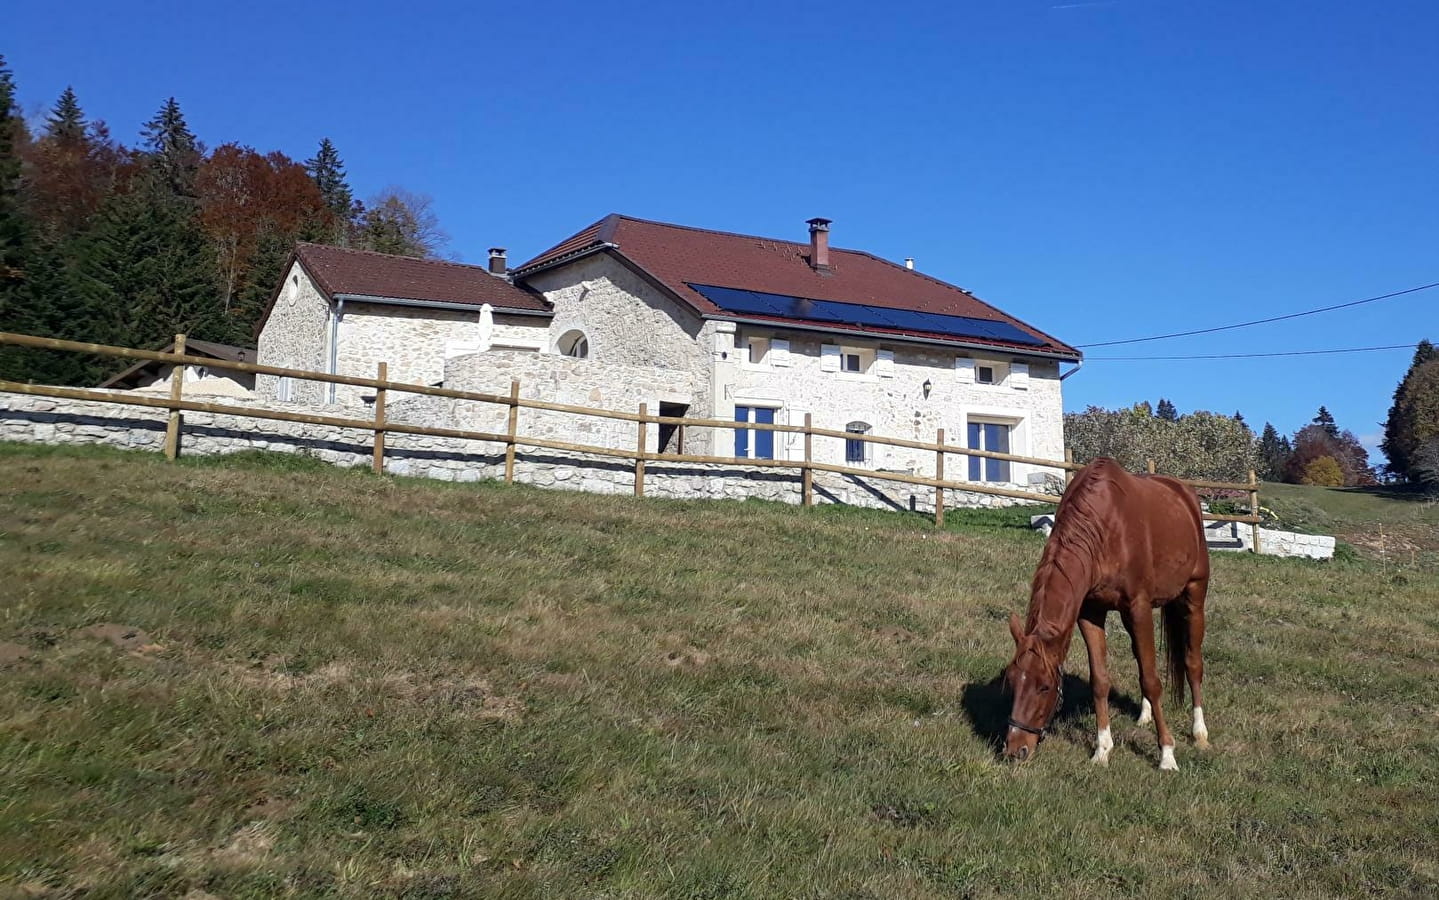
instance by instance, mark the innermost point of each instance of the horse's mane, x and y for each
(1066, 569)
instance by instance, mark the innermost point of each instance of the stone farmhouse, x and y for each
(691, 322)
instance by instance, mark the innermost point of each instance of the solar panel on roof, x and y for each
(759, 303)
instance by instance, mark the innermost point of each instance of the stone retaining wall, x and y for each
(1235, 536)
(30, 419)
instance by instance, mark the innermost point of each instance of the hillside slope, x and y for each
(314, 682)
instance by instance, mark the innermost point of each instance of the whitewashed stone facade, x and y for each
(415, 342)
(296, 335)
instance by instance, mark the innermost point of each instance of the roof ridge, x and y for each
(420, 259)
(757, 237)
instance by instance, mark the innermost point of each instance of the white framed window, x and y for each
(754, 443)
(856, 451)
(574, 344)
(756, 352)
(285, 389)
(984, 374)
(848, 361)
(996, 437)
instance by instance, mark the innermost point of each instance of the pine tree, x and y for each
(173, 151)
(1326, 420)
(1274, 451)
(145, 270)
(67, 120)
(328, 171)
(14, 230)
(1166, 411)
(1399, 427)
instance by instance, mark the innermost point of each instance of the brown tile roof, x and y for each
(677, 256)
(342, 271)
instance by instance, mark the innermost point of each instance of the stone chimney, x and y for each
(497, 261)
(819, 245)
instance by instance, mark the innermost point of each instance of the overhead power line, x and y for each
(1307, 312)
(1252, 355)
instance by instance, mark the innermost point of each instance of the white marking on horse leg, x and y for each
(1103, 744)
(1146, 712)
(1201, 734)
(1166, 759)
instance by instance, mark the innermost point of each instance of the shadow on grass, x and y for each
(987, 706)
(1404, 492)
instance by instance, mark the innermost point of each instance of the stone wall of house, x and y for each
(555, 379)
(414, 341)
(44, 420)
(296, 336)
(890, 397)
(627, 321)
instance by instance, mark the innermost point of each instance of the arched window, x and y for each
(856, 451)
(574, 343)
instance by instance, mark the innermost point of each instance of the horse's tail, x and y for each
(1176, 646)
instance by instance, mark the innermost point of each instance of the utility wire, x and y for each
(1252, 355)
(1307, 312)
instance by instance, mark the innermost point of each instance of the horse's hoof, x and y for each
(1100, 759)
(1166, 760)
(1201, 741)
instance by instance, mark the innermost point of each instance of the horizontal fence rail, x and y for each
(380, 425)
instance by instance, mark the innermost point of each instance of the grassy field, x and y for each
(1393, 526)
(258, 678)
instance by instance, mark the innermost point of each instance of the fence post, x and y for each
(379, 463)
(1149, 464)
(1254, 506)
(177, 389)
(1068, 473)
(939, 476)
(513, 427)
(806, 473)
(640, 452)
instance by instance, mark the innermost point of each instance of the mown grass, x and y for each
(354, 686)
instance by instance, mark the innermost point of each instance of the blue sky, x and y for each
(1104, 170)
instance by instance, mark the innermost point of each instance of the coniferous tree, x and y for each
(1166, 411)
(1274, 451)
(328, 171)
(1326, 421)
(66, 120)
(145, 271)
(1399, 428)
(14, 230)
(173, 151)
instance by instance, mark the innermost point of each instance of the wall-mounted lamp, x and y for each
(927, 387)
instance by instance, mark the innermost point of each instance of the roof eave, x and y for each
(441, 304)
(1012, 349)
(526, 271)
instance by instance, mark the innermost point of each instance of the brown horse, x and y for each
(1120, 542)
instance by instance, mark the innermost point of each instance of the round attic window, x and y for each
(575, 344)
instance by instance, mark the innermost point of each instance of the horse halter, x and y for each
(1058, 705)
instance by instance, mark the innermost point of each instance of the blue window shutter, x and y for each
(764, 440)
(741, 435)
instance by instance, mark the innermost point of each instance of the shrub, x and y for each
(1323, 471)
(1199, 445)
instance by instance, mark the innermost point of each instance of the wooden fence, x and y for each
(512, 439)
